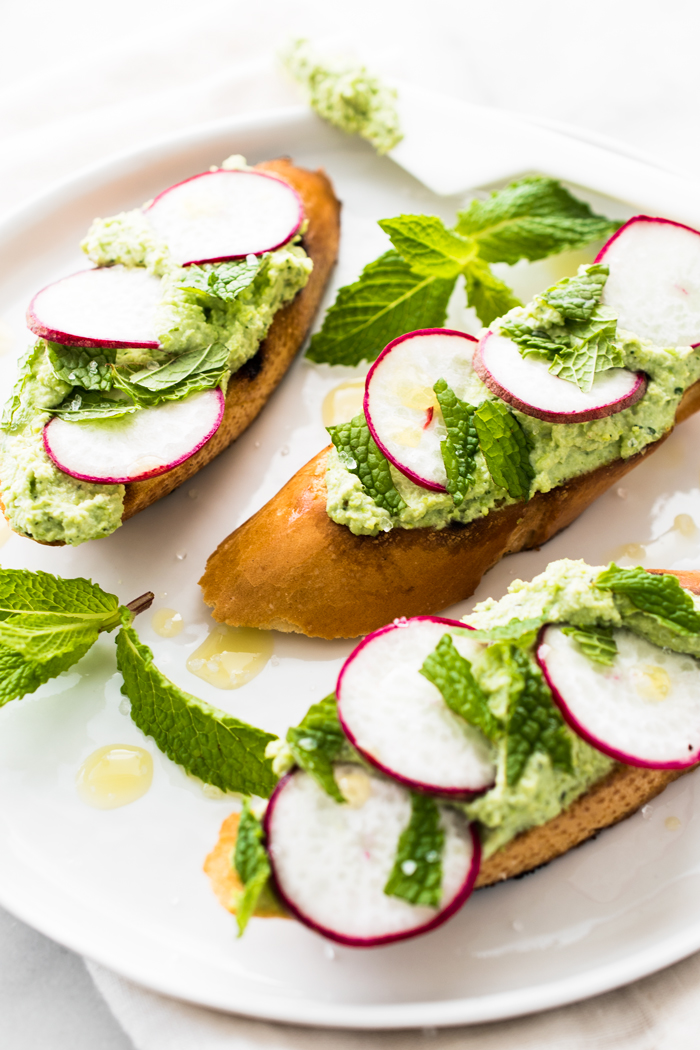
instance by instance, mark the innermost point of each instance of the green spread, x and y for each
(564, 593)
(347, 96)
(558, 451)
(48, 505)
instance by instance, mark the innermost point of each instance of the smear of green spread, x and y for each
(347, 96)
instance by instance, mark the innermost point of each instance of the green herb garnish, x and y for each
(417, 873)
(358, 452)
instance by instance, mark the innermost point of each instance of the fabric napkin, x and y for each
(84, 81)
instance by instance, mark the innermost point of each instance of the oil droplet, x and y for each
(622, 493)
(652, 682)
(231, 656)
(343, 402)
(181, 555)
(672, 823)
(167, 622)
(634, 551)
(114, 776)
(684, 524)
(356, 787)
(647, 812)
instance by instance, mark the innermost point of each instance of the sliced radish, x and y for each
(142, 445)
(654, 282)
(527, 384)
(643, 710)
(330, 862)
(112, 306)
(222, 215)
(399, 721)
(400, 402)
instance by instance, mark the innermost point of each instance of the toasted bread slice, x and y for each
(290, 568)
(251, 386)
(617, 796)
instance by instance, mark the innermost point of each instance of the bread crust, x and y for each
(250, 387)
(290, 568)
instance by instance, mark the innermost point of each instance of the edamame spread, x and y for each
(43, 502)
(558, 451)
(564, 593)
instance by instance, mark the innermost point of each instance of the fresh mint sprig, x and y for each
(359, 453)
(416, 876)
(534, 723)
(318, 742)
(388, 299)
(252, 865)
(410, 287)
(461, 444)
(452, 674)
(595, 642)
(211, 744)
(505, 448)
(659, 596)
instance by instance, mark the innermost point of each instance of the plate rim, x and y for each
(308, 1012)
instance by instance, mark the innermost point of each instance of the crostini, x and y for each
(122, 397)
(467, 451)
(456, 755)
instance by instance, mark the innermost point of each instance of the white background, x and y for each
(80, 80)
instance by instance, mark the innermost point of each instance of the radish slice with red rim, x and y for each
(111, 306)
(398, 720)
(330, 861)
(141, 445)
(527, 384)
(400, 404)
(221, 215)
(654, 281)
(643, 710)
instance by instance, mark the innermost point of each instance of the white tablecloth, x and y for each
(79, 81)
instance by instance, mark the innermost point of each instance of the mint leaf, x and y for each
(660, 596)
(19, 676)
(490, 297)
(15, 413)
(358, 452)
(90, 369)
(534, 723)
(251, 863)
(533, 340)
(505, 448)
(417, 873)
(318, 742)
(522, 632)
(82, 405)
(592, 350)
(43, 618)
(427, 245)
(597, 643)
(211, 361)
(461, 444)
(531, 219)
(224, 280)
(213, 745)
(387, 300)
(576, 298)
(452, 674)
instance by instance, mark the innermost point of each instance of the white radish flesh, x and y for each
(141, 445)
(225, 215)
(399, 721)
(527, 384)
(654, 282)
(331, 861)
(111, 306)
(401, 407)
(643, 710)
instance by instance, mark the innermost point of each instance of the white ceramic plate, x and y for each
(125, 887)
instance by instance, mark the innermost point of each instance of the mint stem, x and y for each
(140, 604)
